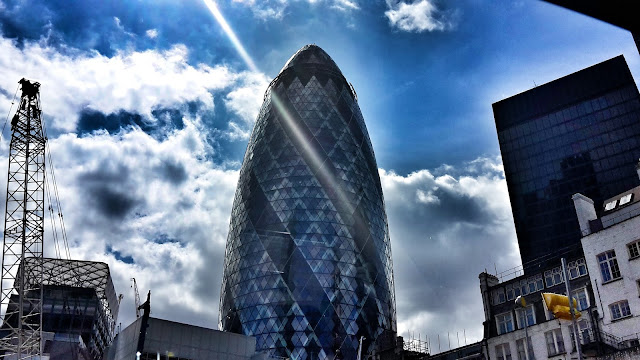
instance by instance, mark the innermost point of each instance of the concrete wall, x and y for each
(194, 342)
(124, 345)
(184, 341)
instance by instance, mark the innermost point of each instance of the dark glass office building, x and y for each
(580, 133)
(308, 268)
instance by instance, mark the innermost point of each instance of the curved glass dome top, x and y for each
(308, 267)
(311, 54)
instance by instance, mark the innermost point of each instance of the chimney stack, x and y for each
(585, 211)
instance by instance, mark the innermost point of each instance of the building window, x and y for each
(503, 352)
(609, 266)
(554, 277)
(626, 199)
(513, 291)
(638, 284)
(535, 283)
(524, 289)
(620, 310)
(555, 343)
(584, 333)
(525, 353)
(577, 268)
(531, 316)
(634, 249)
(504, 323)
(498, 296)
(582, 298)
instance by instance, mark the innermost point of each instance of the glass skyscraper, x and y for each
(579, 133)
(308, 267)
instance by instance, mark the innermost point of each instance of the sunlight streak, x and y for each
(290, 120)
(313, 154)
(232, 36)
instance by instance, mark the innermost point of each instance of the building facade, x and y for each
(79, 307)
(611, 246)
(548, 337)
(579, 133)
(308, 268)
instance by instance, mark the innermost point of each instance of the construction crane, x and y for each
(136, 296)
(20, 300)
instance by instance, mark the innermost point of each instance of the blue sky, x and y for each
(149, 107)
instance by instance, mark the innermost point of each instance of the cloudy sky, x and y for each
(149, 106)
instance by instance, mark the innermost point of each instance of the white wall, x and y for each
(615, 237)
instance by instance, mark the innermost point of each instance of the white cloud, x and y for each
(120, 27)
(346, 5)
(246, 99)
(152, 33)
(159, 202)
(446, 227)
(237, 132)
(136, 82)
(277, 9)
(269, 9)
(427, 197)
(419, 16)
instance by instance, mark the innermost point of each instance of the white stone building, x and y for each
(611, 244)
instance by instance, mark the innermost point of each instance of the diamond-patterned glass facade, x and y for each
(308, 267)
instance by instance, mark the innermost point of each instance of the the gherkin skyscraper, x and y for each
(308, 267)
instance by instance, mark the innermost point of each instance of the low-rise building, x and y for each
(505, 322)
(150, 338)
(611, 244)
(163, 339)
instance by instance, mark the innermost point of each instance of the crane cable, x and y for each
(13, 101)
(57, 204)
(54, 229)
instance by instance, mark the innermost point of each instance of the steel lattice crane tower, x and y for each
(24, 230)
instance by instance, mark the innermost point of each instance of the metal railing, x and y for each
(416, 345)
(632, 340)
(587, 336)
